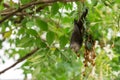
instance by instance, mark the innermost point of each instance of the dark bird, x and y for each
(78, 33)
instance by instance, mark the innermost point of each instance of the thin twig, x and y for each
(29, 5)
(20, 60)
(22, 8)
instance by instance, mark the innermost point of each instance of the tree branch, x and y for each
(20, 60)
(14, 11)
(29, 5)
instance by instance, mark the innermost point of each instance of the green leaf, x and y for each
(32, 32)
(42, 24)
(24, 21)
(66, 30)
(0, 44)
(63, 41)
(38, 42)
(4, 26)
(43, 45)
(95, 2)
(69, 6)
(24, 42)
(55, 8)
(29, 24)
(25, 1)
(1, 7)
(118, 1)
(7, 34)
(50, 37)
(21, 31)
(67, 19)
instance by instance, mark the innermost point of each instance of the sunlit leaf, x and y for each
(7, 34)
(30, 24)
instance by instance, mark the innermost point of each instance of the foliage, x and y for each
(50, 29)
